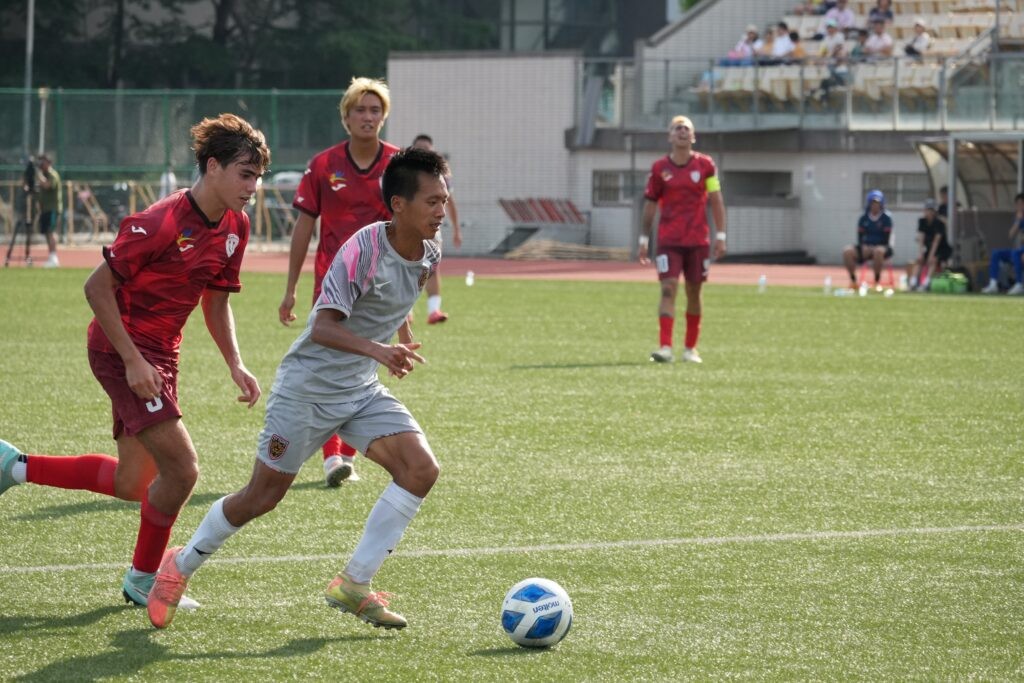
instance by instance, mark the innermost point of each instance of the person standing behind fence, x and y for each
(341, 187)
(681, 184)
(434, 313)
(51, 206)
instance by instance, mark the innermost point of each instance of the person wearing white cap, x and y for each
(921, 40)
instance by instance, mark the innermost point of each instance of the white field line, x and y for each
(571, 547)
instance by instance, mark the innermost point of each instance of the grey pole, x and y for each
(26, 112)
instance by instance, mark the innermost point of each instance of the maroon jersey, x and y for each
(345, 197)
(682, 194)
(164, 258)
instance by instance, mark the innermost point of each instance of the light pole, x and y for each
(26, 112)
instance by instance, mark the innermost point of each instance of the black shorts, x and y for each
(860, 254)
(47, 222)
(943, 253)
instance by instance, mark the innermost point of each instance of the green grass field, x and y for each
(837, 493)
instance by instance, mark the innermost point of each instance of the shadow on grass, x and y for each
(576, 366)
(509, 652)
(133, 650)
(103, 504)
(10, 625)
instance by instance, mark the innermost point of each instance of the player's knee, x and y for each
(130, 488)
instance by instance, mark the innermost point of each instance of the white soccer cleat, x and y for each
(662, 355)
(52, 262)
(1017, 289)
(691, 356)
(991, 288)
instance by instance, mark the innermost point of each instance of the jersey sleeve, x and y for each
(139, 241)
(655, 185)
(230, 278)
(711, 181)
(349, 275)
(307, 197)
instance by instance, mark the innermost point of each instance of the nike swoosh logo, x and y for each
(202, 552)
(139, 231)
(384, 284)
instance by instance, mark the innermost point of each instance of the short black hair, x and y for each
(424, 137)
(401, 177)
(944, 189)
(1019, 197)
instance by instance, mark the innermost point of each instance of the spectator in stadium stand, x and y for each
(798, 54)
(882, 10)
(921, 40)
(814, 7)
(843, 16)
(763, 53)
(782, 46)
(857, 52)
(833, 51)
(879, 43)
(1014, 255)
(743, 53)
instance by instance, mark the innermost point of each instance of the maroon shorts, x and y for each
(692, 262)
(131, 413)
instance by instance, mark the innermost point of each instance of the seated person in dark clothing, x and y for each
(874, 239)
(933, 247)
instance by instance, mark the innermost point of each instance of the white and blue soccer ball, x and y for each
(536, 613)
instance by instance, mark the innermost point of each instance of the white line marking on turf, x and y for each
(572, 547)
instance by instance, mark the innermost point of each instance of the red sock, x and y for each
(154, 533)
(665, 323)
(335, 446)
(692, 330)
(90, 472)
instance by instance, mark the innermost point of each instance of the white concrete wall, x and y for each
(501, 121)
(831, 196)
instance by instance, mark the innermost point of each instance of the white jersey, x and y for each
(375, 289)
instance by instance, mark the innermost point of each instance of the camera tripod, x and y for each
(26, 223)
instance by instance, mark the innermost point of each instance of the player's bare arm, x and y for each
(645, 230)
(397, 358)
(142, 377)
(220, 321)
(453, 216)
(302, 233)
(718, 212)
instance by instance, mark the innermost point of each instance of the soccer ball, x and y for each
(536, 613)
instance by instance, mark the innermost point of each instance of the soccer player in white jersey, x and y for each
(327, 383)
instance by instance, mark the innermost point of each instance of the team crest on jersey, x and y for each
(695, 176)
(278, 445)
(336, 180)
(231, 244)
(666, 175)
(184, 240)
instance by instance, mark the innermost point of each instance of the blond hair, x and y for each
(364, 86)
(683, 120)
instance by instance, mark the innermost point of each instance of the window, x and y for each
(613, 188)
(902, 190)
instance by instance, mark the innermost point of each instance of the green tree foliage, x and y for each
(232, 43)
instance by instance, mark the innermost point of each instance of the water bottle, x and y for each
(469, 278)
(762, 284)
(828, 285)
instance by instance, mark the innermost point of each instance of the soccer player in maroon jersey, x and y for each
(185, 249)
(341, 187)
(680, 185)
(434, 313)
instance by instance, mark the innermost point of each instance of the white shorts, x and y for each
(295, 430)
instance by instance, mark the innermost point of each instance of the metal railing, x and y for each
(975, 90)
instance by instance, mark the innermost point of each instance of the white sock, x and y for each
(213, 531)
(20, 471)
(384, 528)
(348, 459)
(433, 304)
(332, 462)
